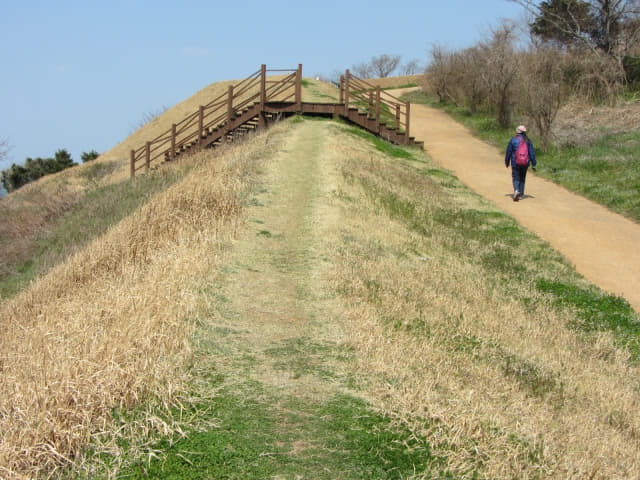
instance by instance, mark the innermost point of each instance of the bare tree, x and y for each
(412, 67)
(544, 89)
(499, 72)
(383, 65)
(362, 70)
(439, 73)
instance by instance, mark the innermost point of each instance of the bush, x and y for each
(88, 156)
(17, 176)
(631, 67)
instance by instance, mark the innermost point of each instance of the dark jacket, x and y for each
(513, 146)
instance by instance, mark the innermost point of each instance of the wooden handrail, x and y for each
(383, 107)
(253, 97)
(253, 89)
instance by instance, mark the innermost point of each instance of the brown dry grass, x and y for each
(109, 328)
(579, 123)
(394, 82)
(37, 207)
(456, 355)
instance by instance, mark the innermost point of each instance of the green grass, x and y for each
(259, 434)
(606, 171)
(597, 312)
(101, 208)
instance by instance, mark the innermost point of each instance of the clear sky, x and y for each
(80, 74)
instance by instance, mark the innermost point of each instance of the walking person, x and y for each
(520, 154)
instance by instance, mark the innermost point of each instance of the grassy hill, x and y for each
(312, 303)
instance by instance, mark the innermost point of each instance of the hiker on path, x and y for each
(520, 154)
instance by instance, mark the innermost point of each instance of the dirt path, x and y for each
(602, 245)
(273, 275)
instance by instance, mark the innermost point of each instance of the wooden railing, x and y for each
(217, 116)
(258, 98)
(379, 105)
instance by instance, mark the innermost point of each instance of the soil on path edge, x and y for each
(602, 245)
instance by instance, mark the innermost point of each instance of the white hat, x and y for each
(521, 129)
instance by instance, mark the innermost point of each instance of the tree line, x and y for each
(577, 48)
(17, 176)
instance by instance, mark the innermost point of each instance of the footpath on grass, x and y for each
(602, 245)
(275, 352)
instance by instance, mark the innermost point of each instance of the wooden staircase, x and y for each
(259, 100)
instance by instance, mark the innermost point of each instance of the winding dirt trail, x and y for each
(603, 246)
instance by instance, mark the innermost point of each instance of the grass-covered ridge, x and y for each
(317, 304)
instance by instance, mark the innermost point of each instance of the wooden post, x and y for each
(378, 107)
(347, 76)
(147, 155)
(263, 86)
(299, 88)
(133, 163)
(200, 124)
(407, 122)
(397, 117)
(263, 96)
(341, 88)
(173, 141)
(229, 109)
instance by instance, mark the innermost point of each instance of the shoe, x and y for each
(516, 196)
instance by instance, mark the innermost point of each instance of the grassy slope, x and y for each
(386, 280)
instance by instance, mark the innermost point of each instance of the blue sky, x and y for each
(81, 74)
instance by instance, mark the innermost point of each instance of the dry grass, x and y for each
(394, 82)
(497, 385)
(37, 207)
(580, 124)
(109, 328)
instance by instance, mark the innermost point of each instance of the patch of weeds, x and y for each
(417, 325)
(464, 343)
(501, 259)
(530, 376)
(373, 289)
(304, 356)
(533, 451)
(397, 207)
(597, 311)
(96, 171)
(434, 172)
(372, 447)
(342, 195)
(264, 233)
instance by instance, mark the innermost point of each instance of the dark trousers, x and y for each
(519, 175)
